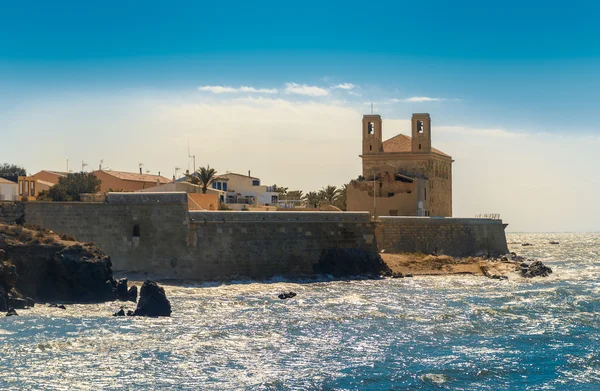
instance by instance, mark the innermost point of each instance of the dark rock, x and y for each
(408, 275)
(121, 289)
(57, 272)
(526, 244)
(8, 275)
(119, 313)
(132, 293)
(286, 295)
(554, 242)
(53, 305)
(62, 307)
(3, 300)
(153, 301)
(397, 275)
(345, 262)
(11, 312)
(536, 269)
(130, 313)
(18, 303)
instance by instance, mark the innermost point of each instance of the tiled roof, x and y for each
(132, 176)
(7, 182)
(402, 143)
(59, 173)
(233, 173)
(46, 183)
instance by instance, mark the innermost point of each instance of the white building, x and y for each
(8, 190)
(245, 189)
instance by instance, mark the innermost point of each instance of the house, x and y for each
(245, 190)
(196, 199)
(402, 176)
(128, 181)
(31, 186)
(8, 190)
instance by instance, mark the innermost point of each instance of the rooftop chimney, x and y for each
(140, 170)
(248, 173)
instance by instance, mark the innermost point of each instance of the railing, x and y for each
(493, 216)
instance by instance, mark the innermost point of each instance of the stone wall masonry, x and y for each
(10, 211)
(173, 243)
(451, 236)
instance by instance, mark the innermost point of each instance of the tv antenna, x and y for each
(140, 165)
(192, 156)
(371, 107)
(101, 161)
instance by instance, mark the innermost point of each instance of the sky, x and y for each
(279, 88)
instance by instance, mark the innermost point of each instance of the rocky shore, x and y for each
(37, 265)
(443, 265)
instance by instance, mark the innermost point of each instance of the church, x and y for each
(401, 176)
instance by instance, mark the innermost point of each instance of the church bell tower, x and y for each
(421, 132)
(371, 129)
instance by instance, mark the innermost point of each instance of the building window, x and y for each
(370, 147)
(425, 190)
(214, 185)
(218, 185)
(224, 186)
(136, 231)
(371, 128)
(255, 182)
(20, 188)
(32, 190)
(26, 188)
(419, 146)
(419, 126)
(274, 199)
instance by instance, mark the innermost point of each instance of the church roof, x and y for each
(402, 143)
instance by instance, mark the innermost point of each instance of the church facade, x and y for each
(402, 176)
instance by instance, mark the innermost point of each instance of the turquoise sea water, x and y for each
(424, 333)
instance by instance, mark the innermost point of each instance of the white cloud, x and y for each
(345, 86)
(422, 99)
(226, 89)
(354, 93)
(303, 89)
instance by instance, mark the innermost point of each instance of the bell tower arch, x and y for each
(371, 130)
(421, 132)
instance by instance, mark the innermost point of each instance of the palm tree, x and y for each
(294, 195)
(340, 201)
(312, 199)
(329, 194)
(205, 176)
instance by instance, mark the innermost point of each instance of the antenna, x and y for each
(176, 170)
(371, 107)
(192, 156)
(140, 165)
(67, 166)
(101, 161)
(83, 165)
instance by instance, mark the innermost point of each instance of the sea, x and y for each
(420, 333)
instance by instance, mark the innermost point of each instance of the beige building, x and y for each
(128, 181)
(245, 189)
(31, 186)
(8, 190)
(402, 176)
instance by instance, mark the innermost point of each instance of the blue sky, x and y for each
(74, 72)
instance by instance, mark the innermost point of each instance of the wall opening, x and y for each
(419, 126)
(419, 146)
(425, 190)
(371, 127)
(370, 147)
(136, 231)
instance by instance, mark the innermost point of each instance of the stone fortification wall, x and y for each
(155, 234)
(10, 211)
(450, 236)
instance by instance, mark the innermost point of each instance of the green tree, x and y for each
(312, 199)
(71, 186)
(12, 170)
(329, 194)
(205, 177)
(340, 201)
(281, 191)
(294, 195)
